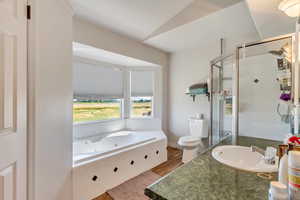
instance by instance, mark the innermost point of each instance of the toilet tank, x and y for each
(198, 127)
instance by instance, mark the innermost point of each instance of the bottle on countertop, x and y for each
(294, 175)
(283, 167)
(278, 191)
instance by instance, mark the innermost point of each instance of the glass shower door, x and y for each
(221, 102)
(265, 90)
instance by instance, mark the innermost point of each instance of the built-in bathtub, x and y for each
(99, 146)
(105, 161)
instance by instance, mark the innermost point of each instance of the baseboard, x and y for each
(172, 142)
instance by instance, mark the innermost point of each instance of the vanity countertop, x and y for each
(204, 178)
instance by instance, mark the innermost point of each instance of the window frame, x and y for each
(123, 99)
(153, 97)
(126, 103)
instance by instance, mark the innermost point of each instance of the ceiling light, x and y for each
(290, 7)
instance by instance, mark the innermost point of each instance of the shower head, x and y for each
(278, 53)
(283, 52)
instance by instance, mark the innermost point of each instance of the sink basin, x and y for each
(242, 158)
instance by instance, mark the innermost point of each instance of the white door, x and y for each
(13, 70)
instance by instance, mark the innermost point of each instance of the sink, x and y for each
(242, 158)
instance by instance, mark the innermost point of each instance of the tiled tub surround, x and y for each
(204, 178)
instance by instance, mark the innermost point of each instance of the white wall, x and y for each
(50, 101)
(186, 68)
(96, 36)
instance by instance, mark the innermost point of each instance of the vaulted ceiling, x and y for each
(269, 20)
(232, 24)
(95, 54)
(174, 25)
(134, 18)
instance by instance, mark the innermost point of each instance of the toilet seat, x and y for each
(189, 141)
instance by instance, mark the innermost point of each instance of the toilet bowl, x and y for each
(190, 144)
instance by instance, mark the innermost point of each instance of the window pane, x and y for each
(141, 106)
(85, 111)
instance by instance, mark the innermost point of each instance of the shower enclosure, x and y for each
(220, 87)
(252, 90)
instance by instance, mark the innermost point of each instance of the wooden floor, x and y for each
(174, 161)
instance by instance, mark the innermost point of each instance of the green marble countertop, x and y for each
(204, 178)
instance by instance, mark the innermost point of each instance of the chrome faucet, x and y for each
(258, 150)
(269, 154)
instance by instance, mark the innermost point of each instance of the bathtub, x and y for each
(105, 161)
(98, 146)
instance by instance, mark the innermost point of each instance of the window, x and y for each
(98, 92)
(141, 107)
(87, 111)
(142, 94)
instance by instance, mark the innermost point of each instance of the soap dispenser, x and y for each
(283, 166)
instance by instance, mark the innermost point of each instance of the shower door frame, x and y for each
(214, 63)
(236, 83)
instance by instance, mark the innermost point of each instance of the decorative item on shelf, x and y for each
(226, 96)
(228, 105)
(285, 97)
(284, 70)
(284, 76)
(197, 89)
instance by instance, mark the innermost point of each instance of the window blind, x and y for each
(97, 82)
(142, 83)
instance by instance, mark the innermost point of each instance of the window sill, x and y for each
(98, 122)
(141, 118)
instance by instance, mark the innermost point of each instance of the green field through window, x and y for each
(141, 107)
(95, 111)
(88, 111)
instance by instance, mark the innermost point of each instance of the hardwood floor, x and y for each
(174, 161)
(104, 196)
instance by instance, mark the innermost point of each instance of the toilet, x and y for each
(190, 144)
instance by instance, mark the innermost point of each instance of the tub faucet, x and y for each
(269, 154)
(258, 150)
